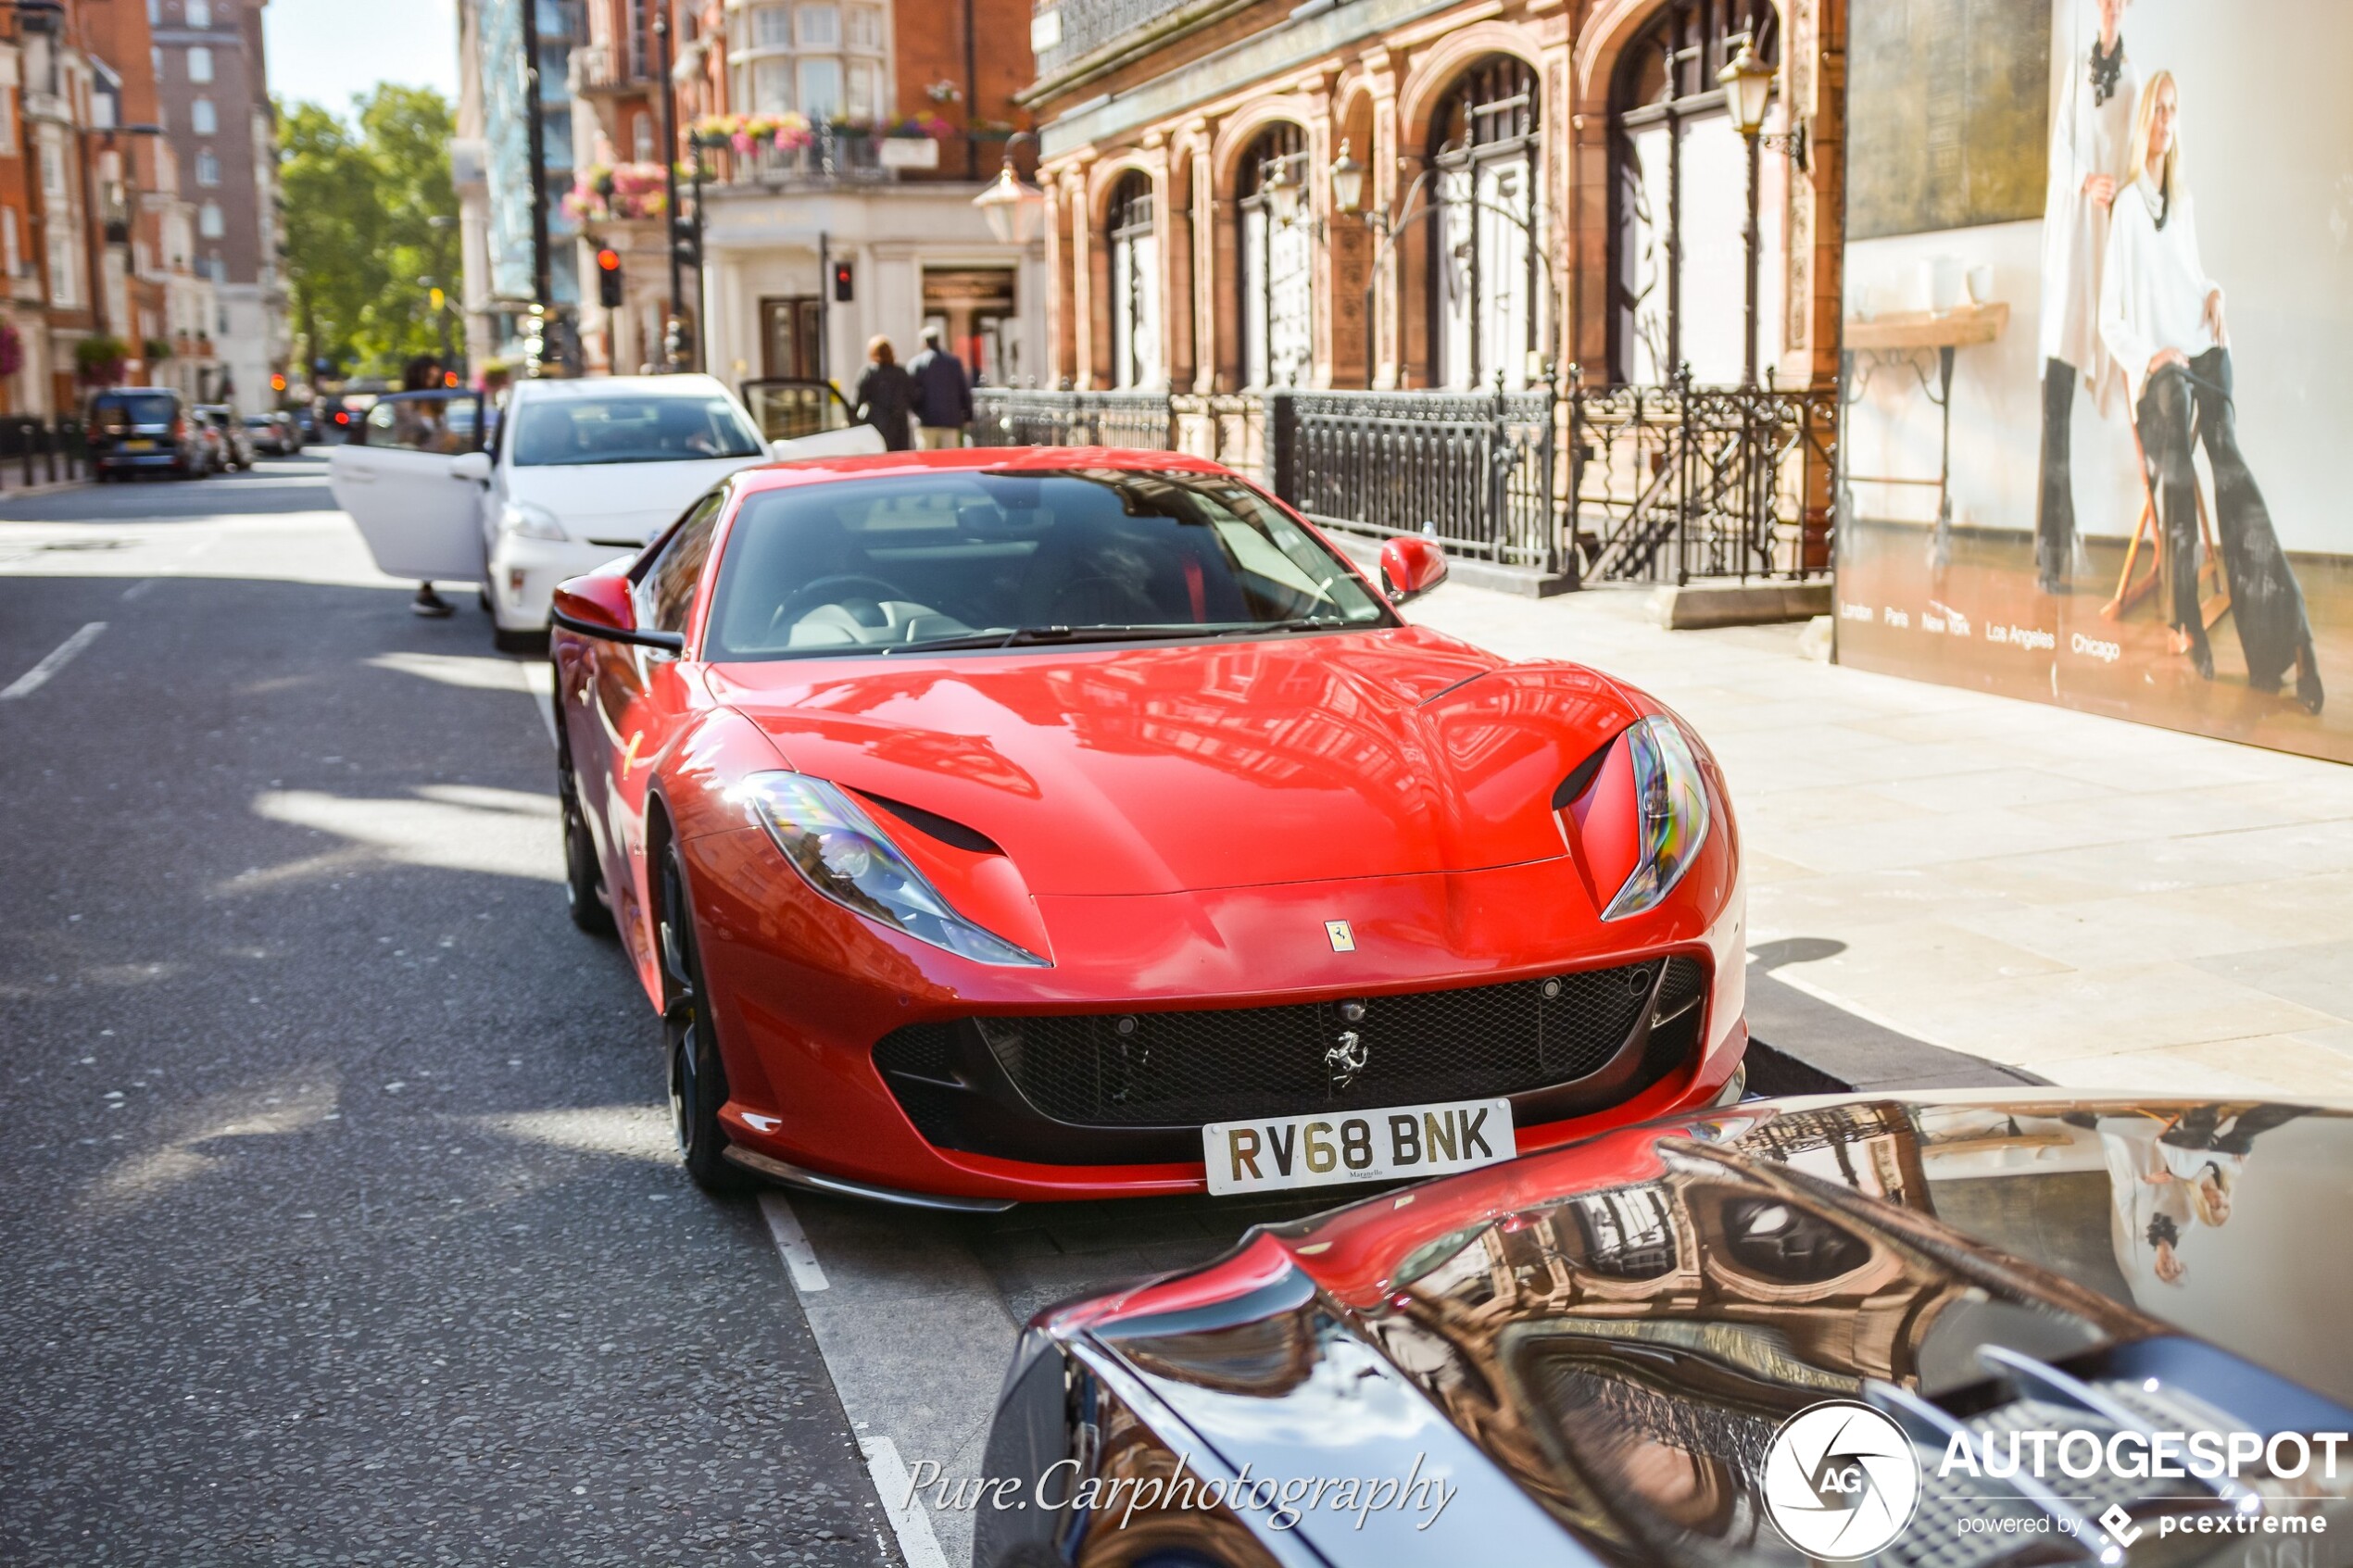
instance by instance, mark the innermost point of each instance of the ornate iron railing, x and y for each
(1682, 481)
(1004, 417)
(1473, 471)
(1660, 485)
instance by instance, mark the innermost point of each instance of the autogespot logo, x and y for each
(1841, 1481)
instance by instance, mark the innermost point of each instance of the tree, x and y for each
(359, 197)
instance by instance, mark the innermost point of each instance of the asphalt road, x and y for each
(338, 1221)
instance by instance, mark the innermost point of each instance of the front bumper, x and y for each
(804, 993)
(132, 462)
(523, 574)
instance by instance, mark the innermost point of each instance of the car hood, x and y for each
(615, 503)
(1619, 1327)
(1161, 769)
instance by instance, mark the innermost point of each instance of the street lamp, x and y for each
(1748, 83)
(1283, 191)
(1013, 206)
(1347, 182)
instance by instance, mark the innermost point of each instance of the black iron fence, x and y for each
(1004, 417)
(1671, 483)
(1661, 485)
(33, 452)
(1473, 471)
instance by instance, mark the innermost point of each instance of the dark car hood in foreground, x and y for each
(1616, 1329)
(1165, 768)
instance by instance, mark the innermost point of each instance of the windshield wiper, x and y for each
(1031, 636)
(1306, 623)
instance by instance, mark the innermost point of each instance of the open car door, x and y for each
(412, 474)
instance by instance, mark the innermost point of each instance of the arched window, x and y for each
(1134, 253)
(1278, 261)
(1679, 194)
(1485, 303)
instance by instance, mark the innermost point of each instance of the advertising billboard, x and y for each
(2098, 294)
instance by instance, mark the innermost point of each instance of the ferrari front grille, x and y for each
(1164, 1069)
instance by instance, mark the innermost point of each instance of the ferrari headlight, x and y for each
(1670, 814)
(837, 849)
(525, 520)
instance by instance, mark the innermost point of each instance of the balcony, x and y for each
(1063, 32)
(833, 154)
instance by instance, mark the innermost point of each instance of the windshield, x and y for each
(983, 559)
(138, 408)
(649, 427)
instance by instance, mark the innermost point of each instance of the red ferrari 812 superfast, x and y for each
(1040, 824)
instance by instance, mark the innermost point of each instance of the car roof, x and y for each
(607, 386)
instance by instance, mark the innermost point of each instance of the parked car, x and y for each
(1107, 832)
(1953, 1331)
(306, 422)
(273, 434)
(236, 444)
(579, 472)
(347, 411)
(136, 430)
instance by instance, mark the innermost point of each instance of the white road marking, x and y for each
(141, 589)
(909, 1520)
(800, 1259)
(59, 657)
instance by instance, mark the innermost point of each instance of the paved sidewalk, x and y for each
(2103, 904)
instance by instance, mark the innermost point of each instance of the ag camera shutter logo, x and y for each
(1841, 1481)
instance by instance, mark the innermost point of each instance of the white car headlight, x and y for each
(838, 850)
(526, 520)
(1670, 814)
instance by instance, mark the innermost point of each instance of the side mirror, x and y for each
(598, 606)
(471, 467)
(1410, 567)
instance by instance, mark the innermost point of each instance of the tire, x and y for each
(518, 642)
(584, 879)
(698, 1077)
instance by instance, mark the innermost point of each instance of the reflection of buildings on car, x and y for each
(1620, 1329)
(843, 142)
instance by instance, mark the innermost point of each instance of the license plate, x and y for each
(138, 446)
(1394, 1143)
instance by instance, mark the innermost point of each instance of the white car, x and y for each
(574, 473)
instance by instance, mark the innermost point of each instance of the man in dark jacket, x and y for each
(943, 395)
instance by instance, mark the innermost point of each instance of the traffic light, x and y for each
(685, 245)
(277, 383)
(608, 278)
(842, 291)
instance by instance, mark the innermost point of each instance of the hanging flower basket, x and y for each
(11, 351)
(99, 360)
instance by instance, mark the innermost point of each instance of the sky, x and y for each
(326, 51)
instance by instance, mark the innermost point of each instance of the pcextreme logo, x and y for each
(1841, 1481)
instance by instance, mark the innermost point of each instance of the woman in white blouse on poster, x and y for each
(2161, 318)
(2090, 148)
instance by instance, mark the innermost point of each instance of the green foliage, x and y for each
(359, 196)
(99, 359)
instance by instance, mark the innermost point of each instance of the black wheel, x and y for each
(584, 879)
(518, 642)
(698, 1078)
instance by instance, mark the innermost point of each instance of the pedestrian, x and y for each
(943, 395)
(886, 394)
